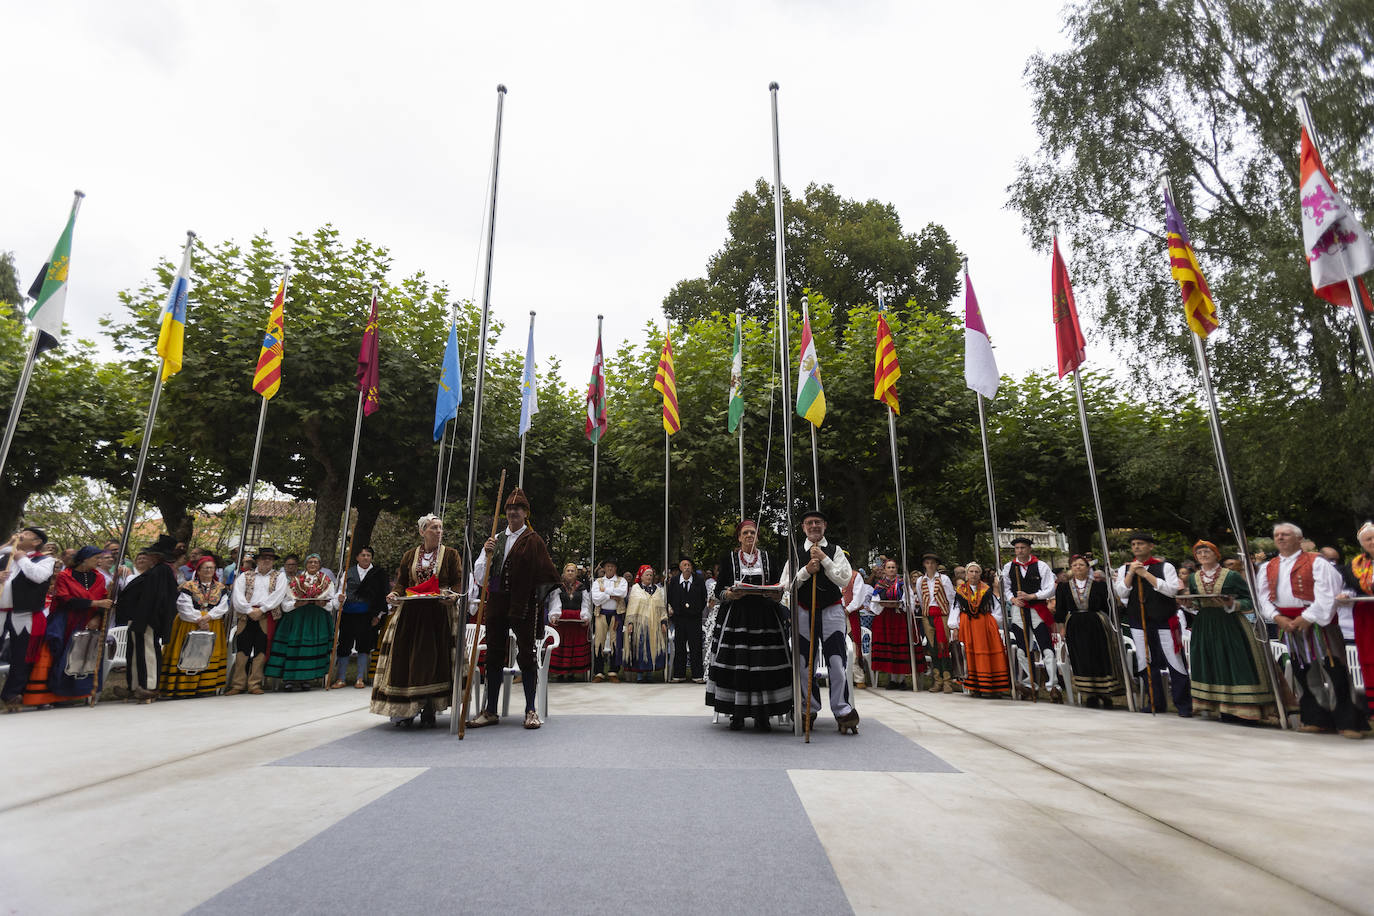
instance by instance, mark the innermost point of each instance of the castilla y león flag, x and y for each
(1337, 246)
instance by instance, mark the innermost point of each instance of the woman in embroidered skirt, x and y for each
(1230, 674)
(646, 626)
(751, 672)
(415, 667)
(1359, 583)
(1084, 620)
(891, 638)
(202, 604)
(569, 611)
(78, 603)
(974, 621)
(302, 643)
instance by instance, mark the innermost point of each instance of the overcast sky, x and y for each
(630, 129)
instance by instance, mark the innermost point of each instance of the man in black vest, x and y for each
(686, 607)
(1148, 584)
(827, 569)
(25, 574)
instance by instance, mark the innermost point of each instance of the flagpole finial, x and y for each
(501, 88)
(964, 259)
(773, 86)
(79, 193)
(599, 317)
(190, 236)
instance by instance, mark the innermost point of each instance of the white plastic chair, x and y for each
(543, 654)
(476, 697)
(1188, 648)
(1061, 660)
(1352, 661)
(120, 655)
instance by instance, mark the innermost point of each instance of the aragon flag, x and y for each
(886, 369)
(1068, 335)
(1198, 307)
(665, 382)
(267, 376)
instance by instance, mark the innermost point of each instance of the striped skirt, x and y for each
(891, 643)
(986, 657)
(1096, 666)
(177, 684)
(751, 672)
(301, 645)
(574, 653)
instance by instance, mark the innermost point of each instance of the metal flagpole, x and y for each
(473, 451)
(520, 478)
(739, 330)
(1356, 300)
(667, 330)
(815, 456)
(452, 450)
(784, 344)
(996, 546)
(596, 448)
(439, 474)
(909, 612)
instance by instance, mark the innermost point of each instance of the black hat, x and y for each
(42, 535)
(930, 556)
(265, 552)
(814, 513)
(610, 560)
(685, 556)
(1142, 536)
(1021, 539)
(165, 545)
(85, 553)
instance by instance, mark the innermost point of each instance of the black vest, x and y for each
(28, 595)
(1025, 578)
(827, 592)
(570, 602)
(1158, 608)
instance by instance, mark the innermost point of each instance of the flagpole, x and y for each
(1356, 300)
(439, 474)
(596, 448)
(739, 331)
(784, 344)
(992, 512)
(473, 451)
(520, 479)
(667, 467)
(909, 613)
(448, 468)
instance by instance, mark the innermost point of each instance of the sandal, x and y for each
(532, 719)
(336, 685)
(360, 685)
(483, 720)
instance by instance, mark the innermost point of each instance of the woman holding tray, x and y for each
(750, 674)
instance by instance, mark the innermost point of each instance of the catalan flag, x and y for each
(665, 382)
(1198, 306)
(172, 337)
(267, 377)
(886, 370)
(810, 394)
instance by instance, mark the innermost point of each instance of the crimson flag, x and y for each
(1068, 336)
(367, 363)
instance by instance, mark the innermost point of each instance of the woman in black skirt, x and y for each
(1080, 609)
(750, 673)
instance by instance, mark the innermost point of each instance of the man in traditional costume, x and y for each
(147, 605)
(686, 608)
(1148, 585)
(819, 588)
(257, 596)
(521, 570)
(25, 575)
(363, 607)
(935, 594)
(609, 593)
(1297, 593)
(1028, 584)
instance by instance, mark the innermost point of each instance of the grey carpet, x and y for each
(627, 742)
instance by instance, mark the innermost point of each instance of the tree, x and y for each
(839, 247)
(9, 282)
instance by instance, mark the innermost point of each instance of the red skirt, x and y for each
(574, 652)
(891, 643)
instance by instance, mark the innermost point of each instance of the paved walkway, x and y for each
(630, 799)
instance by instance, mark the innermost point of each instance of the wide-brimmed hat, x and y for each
(166, 545)
(1021, 539)
(1142, 536)
(814, 513)
(265, 552)
(517, 498)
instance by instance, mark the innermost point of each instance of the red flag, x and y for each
(367, 363)
(595, 426)
(1068, 336)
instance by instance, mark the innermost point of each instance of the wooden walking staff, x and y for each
(481, 615)
(811, 660)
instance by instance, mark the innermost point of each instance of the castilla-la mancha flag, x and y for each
(1337, 246)
(1068, 335)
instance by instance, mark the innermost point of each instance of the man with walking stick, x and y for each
(1029, 584)
(819, 588)
(1148, 584)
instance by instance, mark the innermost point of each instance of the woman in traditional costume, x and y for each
(78, 603)
(646, 626)
(415, 669)
(301, 646)
(891, 639)
(1230, 675)
(569, 611)
(751, 672)
(974, 621)
(202, 605)
(1084, 619)
(1359, 583)
(364, 605)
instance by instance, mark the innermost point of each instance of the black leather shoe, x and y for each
(761, 724)
(737, 723)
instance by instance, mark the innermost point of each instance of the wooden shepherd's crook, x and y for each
(811, 659)
(481, 614)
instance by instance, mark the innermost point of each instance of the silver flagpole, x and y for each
(596, 447)
(352, 468)
(815, 455)
(667, 330)
(520, 479)
(996, 546)
(739, 329)
(439, 474)
(473, 451)
(909, 613)
(1356, 301)
(780, 252)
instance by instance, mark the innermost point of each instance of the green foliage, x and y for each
(9, 281)
(77, 511)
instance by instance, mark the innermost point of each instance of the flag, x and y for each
(49, 289)
(529, 390)
(1198, 306)
(171, 338)
(1337, 246)
(596, 396)
(1068, 336)
(450, 392)
(980, 366)
(367, 363)
(886, 370)
(810, 394)
(737, 378)
(267, 377)
(665, 382)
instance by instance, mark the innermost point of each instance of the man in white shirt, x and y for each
(608, 603)
(1297, 593)
(25, 573)
(258, 595)
(1028, 584)
(935, 597)
(1148, 585)
(856, 596)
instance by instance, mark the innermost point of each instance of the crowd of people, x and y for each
(1193, 637)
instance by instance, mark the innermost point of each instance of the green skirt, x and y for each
(300, 647)
(1229, 674)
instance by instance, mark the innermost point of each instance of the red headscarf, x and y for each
(639, 576)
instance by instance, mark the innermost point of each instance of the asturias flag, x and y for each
(171, 339)
(450, 392)
(810, 394)
(367, 363)
(49, 289)
(886, 370)
(529, 386)
(1068, 336)
(596, 397)
(1338, 247)
(980, 366)
(1198, 306)
(737, 377)
(267, 377)
(665, 382)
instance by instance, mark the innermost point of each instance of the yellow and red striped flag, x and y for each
(267, 377)
(665, 382)
(1198, 306)
(886, 371)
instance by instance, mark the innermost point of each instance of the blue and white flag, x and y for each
(529, 392)
(450, 393)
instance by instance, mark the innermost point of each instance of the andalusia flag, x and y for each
(736, 379)
(810, 394)
(49, 290)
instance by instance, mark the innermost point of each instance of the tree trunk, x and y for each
(179, 523)
(362, 528)
(11, 509)
(964, 535)
(329, 497)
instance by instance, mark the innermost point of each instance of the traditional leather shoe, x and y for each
(483, 720)
(427, 719)
(848, 723)
(598, 678)
(1352, 734)
(737, 723)
(761, 724)
(233, 691)
(532, 719)
(256, 690)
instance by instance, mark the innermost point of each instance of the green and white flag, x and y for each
(736, 383)
(49, 290)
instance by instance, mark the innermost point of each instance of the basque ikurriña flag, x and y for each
(1338, 248)
(665, 382)
(1198, 307)
(886, 369)
(980, 366)
(596, 397)
(1068, 335)
(171, 338)
(267, 376)
(367, 363)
